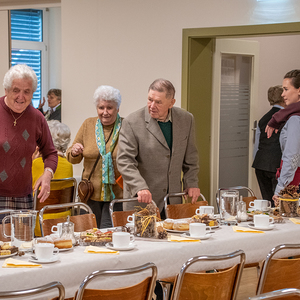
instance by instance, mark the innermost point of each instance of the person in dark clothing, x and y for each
(54, 105)
(267, 152)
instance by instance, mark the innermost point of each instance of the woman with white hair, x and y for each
(61, 136)
(22, 128)
(100, 135)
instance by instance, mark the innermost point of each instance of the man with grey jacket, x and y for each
(157, 154)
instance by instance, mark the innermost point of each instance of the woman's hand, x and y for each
(77, 149)
(41, 103)
(36, 153)
(269, 130)
(276, 200)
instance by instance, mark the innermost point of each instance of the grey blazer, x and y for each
(144, 158)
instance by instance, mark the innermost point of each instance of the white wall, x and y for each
(128, 44)
(4, 55)
(54, 48)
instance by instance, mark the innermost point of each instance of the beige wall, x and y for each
(4, 53)
(127, 44)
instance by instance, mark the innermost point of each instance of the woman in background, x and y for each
(289, 119)
(267, 151)
(100, 135)
(54, 105)
(61, 136)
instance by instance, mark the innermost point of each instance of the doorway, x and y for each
(197, 82)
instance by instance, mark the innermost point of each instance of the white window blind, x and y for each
(27, 43)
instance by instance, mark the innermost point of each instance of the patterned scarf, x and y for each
(108, 173)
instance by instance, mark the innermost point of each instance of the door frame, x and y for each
(196, 84)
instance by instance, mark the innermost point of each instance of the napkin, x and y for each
(295, 221)
(244, 229)
(176, 238)
(15, 263)
(93, 249)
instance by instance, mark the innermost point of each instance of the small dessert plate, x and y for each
(270, 227)
(204, 237)
(131, 246)
(45, 261)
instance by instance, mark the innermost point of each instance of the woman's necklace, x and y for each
(15, 121)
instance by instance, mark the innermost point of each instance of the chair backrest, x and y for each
(119, 218)
(141, 291)
(279, 273)
(61, 191)
(247, 199)
(289, 294)
(219, 285)
(35, 291)
(184, 210)
(6, 226)
(81, 222)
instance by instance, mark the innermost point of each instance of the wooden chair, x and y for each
(28, 293)
(81, 222)
(288, 294)
(279, 274)
(61, 191)
(6, 226)
(222, 284)
(184, 210)
(119, 218)
(141, 291)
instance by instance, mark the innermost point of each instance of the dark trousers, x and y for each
(101, 211)
(267, 183)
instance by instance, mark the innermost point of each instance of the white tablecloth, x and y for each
(74, 265)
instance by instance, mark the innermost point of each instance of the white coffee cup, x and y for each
(205, 210)
(262, 221)
(57, 229)
(198, 229)
(130, 219)
(122, 239)
(45, 251)
(260, 204)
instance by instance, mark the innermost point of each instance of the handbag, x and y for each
(85, 186)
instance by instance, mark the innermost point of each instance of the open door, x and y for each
(234, 93)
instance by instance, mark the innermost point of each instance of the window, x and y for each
(28, 45)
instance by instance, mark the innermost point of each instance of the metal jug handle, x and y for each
(3, 227)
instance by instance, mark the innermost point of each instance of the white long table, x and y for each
(74, 265)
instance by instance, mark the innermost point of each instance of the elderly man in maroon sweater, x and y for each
(22, 128)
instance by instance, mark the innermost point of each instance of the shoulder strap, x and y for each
(94, 166)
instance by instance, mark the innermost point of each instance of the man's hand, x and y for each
(276, 200)
(41, 103)
(269, 130)
(144, 196)
(44, 183)
(193, 193)
(77, 149)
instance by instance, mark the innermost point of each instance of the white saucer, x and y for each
(45, 261)
(270, 227)
(131, 246)
(65, 249)
(254, 209)
(8, 255)
(204, 237)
